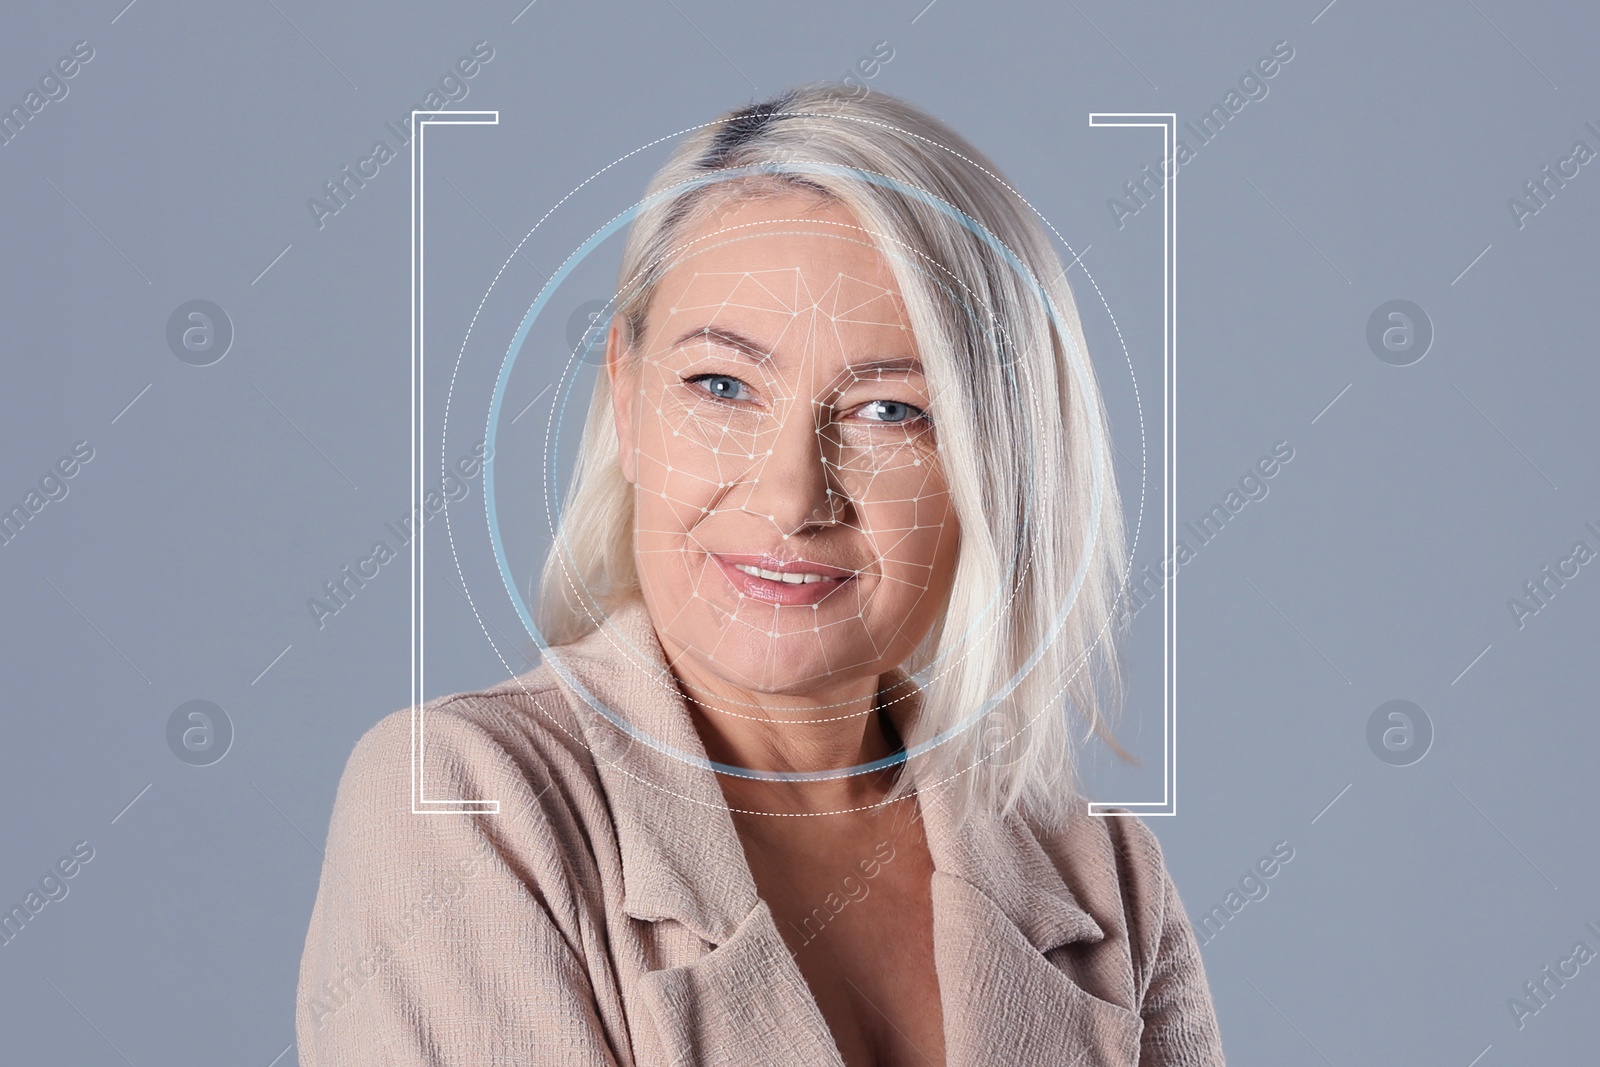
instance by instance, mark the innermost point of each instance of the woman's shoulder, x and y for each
(1116, 835)
(1114, 864)
(531, 709)
(518, 742)
(430, 899)
(1141, 864)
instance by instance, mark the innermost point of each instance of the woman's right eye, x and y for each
(722, 386)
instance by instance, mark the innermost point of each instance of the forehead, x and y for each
(782, 256)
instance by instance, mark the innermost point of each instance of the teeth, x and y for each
(792, 578)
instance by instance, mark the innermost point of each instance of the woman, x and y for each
(846, 436)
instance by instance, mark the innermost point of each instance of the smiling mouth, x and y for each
(790, 578)
(799, 582)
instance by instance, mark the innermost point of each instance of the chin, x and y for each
(774, 653)
(760, 667)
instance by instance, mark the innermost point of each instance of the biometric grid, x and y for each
(997, 735)
(754, 377)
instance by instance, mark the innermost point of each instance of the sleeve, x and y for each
(439, 940)
(1180, 1022)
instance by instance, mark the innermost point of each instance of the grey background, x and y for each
(1420, 898)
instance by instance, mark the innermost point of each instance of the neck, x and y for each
(828, 729)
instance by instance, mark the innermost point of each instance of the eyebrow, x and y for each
(731, 338)
(738, 341)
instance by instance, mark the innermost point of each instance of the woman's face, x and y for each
(777, 420)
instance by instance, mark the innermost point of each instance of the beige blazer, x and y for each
(607, 915)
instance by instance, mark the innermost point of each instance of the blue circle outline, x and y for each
(515, 348)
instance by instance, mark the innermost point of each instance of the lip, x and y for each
(783, 593)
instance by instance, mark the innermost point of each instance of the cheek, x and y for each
(867, 458)
(915, 532)
(675, 459)
(711, 442)
(664, 550)
(669, 500)
(676, 482)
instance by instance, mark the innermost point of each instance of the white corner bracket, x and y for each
(421, 803)
(1168, 804)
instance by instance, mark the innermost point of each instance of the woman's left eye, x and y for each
(893, 412)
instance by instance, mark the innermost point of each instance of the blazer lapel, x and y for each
(744, 1001)
(1016, 951)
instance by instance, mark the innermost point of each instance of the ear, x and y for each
(624, 382)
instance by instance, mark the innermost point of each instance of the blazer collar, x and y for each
(681, 854)
(1002, 859)
(1000, 902)
(1001, 910)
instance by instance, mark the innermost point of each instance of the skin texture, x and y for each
(798, 451)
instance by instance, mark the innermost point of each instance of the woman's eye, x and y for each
(723, 386)
(893, 412)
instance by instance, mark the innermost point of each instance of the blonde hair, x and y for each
(1041, 525)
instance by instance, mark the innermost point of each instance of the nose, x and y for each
(795, 485)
